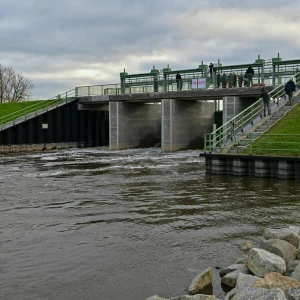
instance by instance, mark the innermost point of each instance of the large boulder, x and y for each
(231, 268)
(156, 298)
(296, 273)
(287, 234)
(281, 248)
(230, 294)
(201, 281)
(231, 278)
(293, 294)
(261, 262)
(245, 280)
(275, 280)
(291, 266)
(252, 293)
(295, 229)
(195, 297)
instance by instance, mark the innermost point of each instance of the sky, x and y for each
(61, 44)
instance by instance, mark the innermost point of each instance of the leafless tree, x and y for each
(13, 87)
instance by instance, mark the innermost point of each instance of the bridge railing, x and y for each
(270, 144)
(218, 139)
(36, 109)
(96, 90)
(274, 144)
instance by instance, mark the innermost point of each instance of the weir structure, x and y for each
(175, 120)
(148, 109)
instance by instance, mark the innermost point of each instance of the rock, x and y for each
(275, 280)
(291, 266)
(295, 229)
(293, 294)
(261, 262)
(156, 298)
(281, 248)
(242, 260)
(195, 297)
(286, 234)
(231, 268)
(230, 294)
(245, 280)
(201, 281)
(246, 246)
(252, 293)
(230, 278)
(296, 273)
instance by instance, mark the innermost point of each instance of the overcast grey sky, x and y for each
(61, 44)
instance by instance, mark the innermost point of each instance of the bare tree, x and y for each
(13, 87)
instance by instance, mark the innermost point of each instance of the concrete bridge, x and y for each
(175, 120)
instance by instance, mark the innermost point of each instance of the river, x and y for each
(95, 224)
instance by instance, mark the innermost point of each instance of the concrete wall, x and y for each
(184, 123)
(63, 125)
(232, 106)
(134, 125)
(254, 166)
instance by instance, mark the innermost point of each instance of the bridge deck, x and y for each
(199, 94)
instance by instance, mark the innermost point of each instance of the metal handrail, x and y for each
(218, 139)
(286, 142)
(37, 108)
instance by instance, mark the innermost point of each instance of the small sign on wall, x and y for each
(44, 125)
(198, 83)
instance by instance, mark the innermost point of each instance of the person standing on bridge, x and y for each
(224, 80)
(218, 80)
(249, 76)
(289, 89)
(179, 82)
(240, 80)
(211, 66)
(266, 99)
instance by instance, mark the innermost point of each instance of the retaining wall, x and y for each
(255, 166)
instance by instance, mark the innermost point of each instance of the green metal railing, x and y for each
(168, 85)
(273, 144)
(231, 130)
(36, 109)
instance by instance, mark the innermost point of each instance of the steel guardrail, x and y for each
(218, 139)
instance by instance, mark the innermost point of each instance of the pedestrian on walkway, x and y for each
(178, 81)
(249, 76)
(266, 99)
(289, 89)
(224, 80)
(218, 80)
(211, 66)
(240, 80)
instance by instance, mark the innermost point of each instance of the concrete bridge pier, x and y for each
(233, 105)
(134, 125)
(184, 123)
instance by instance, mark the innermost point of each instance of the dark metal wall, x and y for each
(65, 124)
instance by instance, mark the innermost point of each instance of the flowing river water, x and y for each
(95, 224)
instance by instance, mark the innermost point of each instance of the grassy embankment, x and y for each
(283, 139)
(13, 110)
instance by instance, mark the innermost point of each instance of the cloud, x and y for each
(62, 44)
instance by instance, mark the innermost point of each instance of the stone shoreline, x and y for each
(269, 272)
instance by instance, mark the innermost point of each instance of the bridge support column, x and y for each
(232, 106)
(184, 123)
(134, 125)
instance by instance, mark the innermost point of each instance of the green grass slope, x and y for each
(13, 110)
(282, 139)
